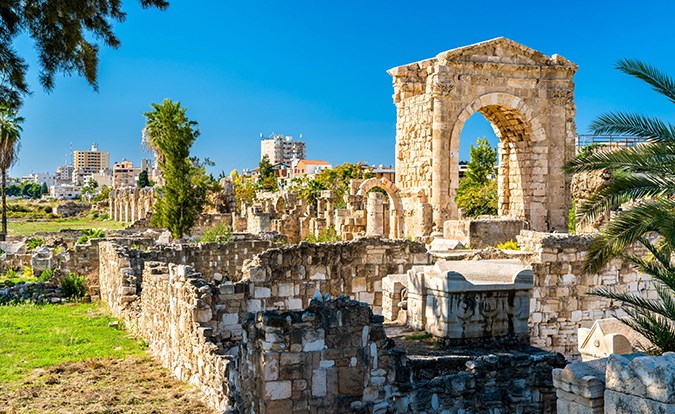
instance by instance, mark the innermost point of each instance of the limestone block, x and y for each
(651, 377)
(278, 390)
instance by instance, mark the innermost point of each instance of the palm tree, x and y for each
(10, 131)
(643, 184)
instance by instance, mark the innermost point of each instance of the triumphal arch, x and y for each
(528, 98)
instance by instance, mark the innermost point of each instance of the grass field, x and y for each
(40, 336)
(71, 359)
(23, 228)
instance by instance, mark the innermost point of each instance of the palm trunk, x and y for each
(3, 235)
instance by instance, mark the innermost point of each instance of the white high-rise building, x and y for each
(282, 150)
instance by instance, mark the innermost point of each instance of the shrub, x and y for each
(221, 234)
(477, 199)
(509, 245)
(46, 275)
(90, 234)
(74, 286)
(48, 209)
(103, 216)
(94, 214)
(327, 235)
(27, 271)
(572, 219)
(34, 243)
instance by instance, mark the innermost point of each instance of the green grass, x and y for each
(18, 279)
(419, 336)
(41, 336)
(29, 227)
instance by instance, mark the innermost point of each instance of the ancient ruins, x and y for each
(264, 327)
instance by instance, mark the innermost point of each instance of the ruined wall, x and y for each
(634, 383)
(286, 278)
(560, 302)
(177, 320)
(215, 261)
(333, 357)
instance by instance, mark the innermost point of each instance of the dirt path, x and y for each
(132, 385)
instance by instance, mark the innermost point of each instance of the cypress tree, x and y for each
(181, 199)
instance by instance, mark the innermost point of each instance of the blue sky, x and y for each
(319, 69)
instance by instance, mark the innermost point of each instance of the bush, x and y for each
(27, 271)
(572, 219)
(46, 275)
(220, 234)
(477, 199)
(90, 234)
(509, 245)
(48, 209)
(327, 235)
(94, 214)
(74, 286)
(103, 216)
(34, 243)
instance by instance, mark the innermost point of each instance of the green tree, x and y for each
(483, 161)
(477, 194)
(143, 180)
(171, 135)
(10, 133)
(644, 177)
(335, 179)
(44, 189)
(244, 190)
(65, 35)
(267, 179)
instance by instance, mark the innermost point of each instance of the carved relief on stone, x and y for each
(564, 95)
(441, 88)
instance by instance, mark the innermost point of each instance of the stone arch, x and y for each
(394, 195)
(529, 99)
(521, 135)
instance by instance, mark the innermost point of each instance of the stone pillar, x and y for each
(375, 215)
(111, 205)
(439, 179)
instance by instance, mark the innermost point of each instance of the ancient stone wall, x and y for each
(483, 381)
(529, 100)
(332, 357)
(560, 300)
(482, 233)
(176, 317)
(287, 277)
(633, 383)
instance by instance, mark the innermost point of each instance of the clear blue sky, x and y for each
(318, 69)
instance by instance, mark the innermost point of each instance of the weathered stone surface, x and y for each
(528, 98)
(651, 377)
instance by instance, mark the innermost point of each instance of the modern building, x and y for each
(281, 150)
(310, 167)
(86, 163)
(64, 174)
(65, 191)
(42, 178)
(124, 174)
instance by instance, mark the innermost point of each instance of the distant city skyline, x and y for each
(264, 67)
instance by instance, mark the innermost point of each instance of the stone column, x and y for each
(440, 180)
(375, 215)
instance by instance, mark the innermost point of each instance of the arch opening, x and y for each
(384, 208)
(520, 176)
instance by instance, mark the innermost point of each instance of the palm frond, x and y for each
(624, 123)
(661, 82)
(657, 215)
